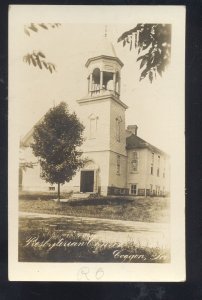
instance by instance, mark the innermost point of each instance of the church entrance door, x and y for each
(87, 181)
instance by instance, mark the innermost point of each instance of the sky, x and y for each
(153, 107)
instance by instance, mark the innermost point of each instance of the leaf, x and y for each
(41, 54)
(45, 64)
(33, 60)
(145, 46)
(126, 33)
(43, 26)
(143, 62)
(50, 69)
(140, 57)
(151, 76)
(33, 27)
(159, 70)
(26, 31)
(144, 73)
(28, 59)
(38, 62)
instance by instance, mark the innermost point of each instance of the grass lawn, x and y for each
(138, 209)
(46, 240)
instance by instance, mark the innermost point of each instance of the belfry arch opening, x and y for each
(100, 81)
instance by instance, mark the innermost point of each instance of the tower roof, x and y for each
(104, 49)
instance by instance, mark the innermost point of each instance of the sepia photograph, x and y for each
(96, 143)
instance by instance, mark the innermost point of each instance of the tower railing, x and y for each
(97, 92)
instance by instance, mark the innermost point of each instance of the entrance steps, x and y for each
(77, 196)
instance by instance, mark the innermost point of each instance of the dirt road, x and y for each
(146, 234)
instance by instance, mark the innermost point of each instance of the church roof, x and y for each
(104, 49)
(26, 140)
(135, 142)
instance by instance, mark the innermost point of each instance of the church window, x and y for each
(118, 164)
(134, 162)
(51, 188)
(157, 190)
(118, 129)
(133, 189)
(134, 165)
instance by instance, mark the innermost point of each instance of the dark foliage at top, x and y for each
(153, 42)
(32, 27)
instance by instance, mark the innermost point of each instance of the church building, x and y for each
(119, 162)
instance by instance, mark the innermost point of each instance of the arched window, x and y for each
(134, 162)
(108, 80)
(95, 80)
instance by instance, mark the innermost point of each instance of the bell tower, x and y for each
(103, 115)
(104, 71)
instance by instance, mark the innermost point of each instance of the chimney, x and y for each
(133, 129)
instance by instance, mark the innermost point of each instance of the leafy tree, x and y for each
(56, 142)
(32, 27)
(153, 42)
(37, 58)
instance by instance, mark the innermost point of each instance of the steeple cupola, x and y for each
(104, 71)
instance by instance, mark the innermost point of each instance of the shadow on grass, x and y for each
(139, 209)
(101, 201)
